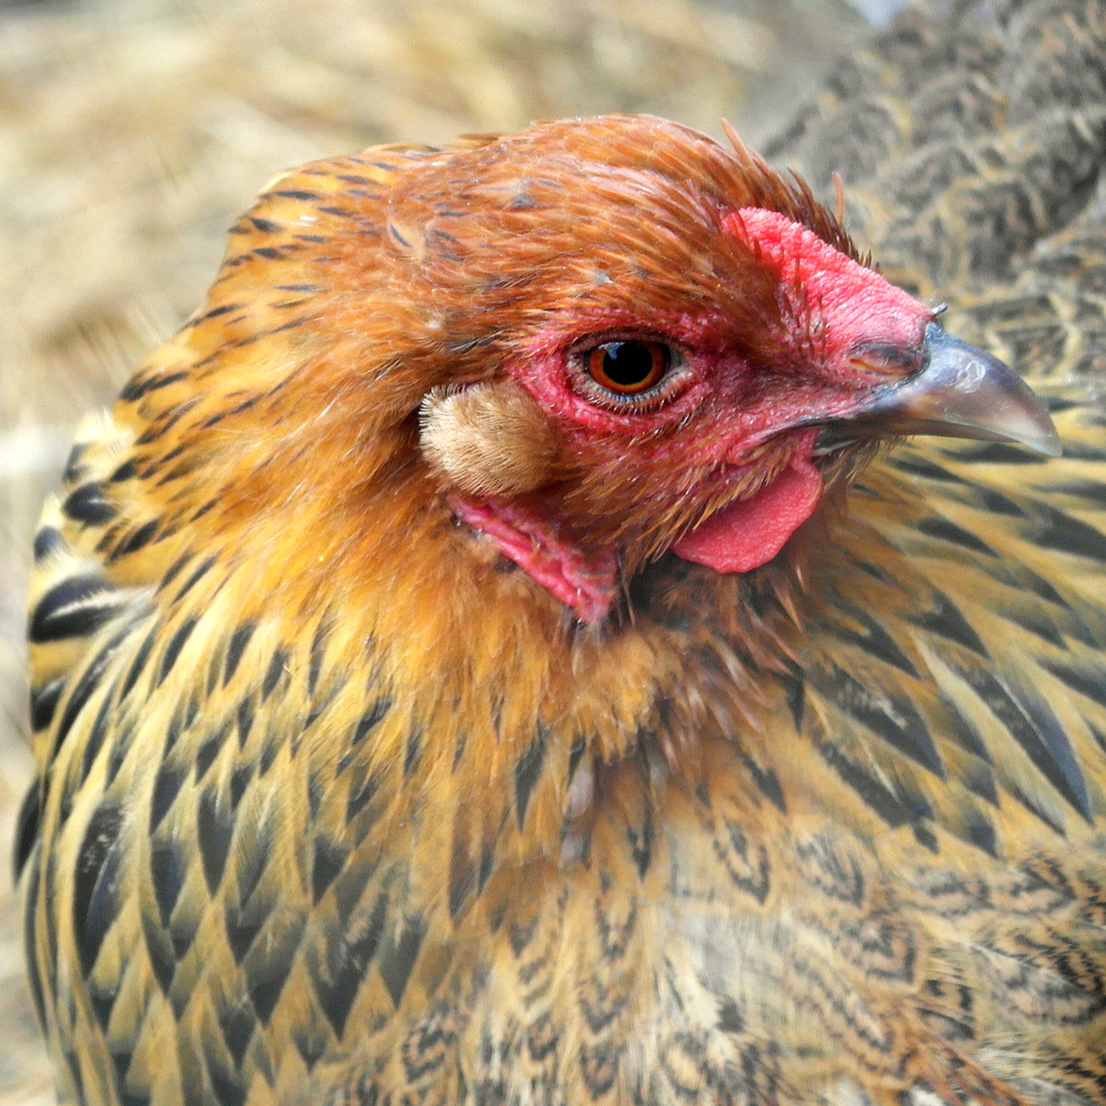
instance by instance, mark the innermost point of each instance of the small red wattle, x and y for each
(750, 532)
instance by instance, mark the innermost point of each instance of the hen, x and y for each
(487, 657)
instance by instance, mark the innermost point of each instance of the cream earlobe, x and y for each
(489, 439)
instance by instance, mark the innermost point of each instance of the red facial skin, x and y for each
(842, 330)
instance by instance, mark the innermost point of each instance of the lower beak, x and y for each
(959, 392)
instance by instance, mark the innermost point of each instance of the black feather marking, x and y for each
(173, 732)
(75, 607)
(138, 665)
(1081, 676)
(243, 718)
(252, 855)
(167, 785)
(246, 918)
(198, 573)
(925, 836)
(137, 539)
(73, 467)
(172, 649)
(908, 461)
(311, 1043)
(89, 506)
(891, 717)
(371, 719)
(97, 734)
(44, 701)
(1056, 529)
(160, 951)
(140, 386)
(962, 730)
(48, 541)
(269, 964)
(215, 828)
(270, 749)
(316, 788)
(980, 780)
(1089, 490)
(26, 833)
(349, 888)
(318, 654)
(892, 808)
(125, 471)
(462, 875)
(228, 1090)
(96, 882)
(795, 691)
(767, 782)
(329, 858)
(947, 531)
(981, 833)
(527, 770)
(360, 795)
(204, 508)
(487, 866)
(997, 453)
(1032, 724)
(46, 876)
(1034, 619)
(641, 843)
(239, 781)
(275, 671)
(398, 955)
(121, 1058)
(118, 755)
(173, 571)
(412, 750)
(34, 977)
(346, 961)
(209, 750)
(941, 617)
(874, 640)
(1026, 578)
(102, 1001)
(168, 869)
(237, 1023)
(997, 503)
(182, 932)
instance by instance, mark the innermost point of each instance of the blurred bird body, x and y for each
(399, 741)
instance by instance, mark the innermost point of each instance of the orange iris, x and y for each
(630, 367)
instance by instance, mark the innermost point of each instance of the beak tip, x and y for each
(1048, 444)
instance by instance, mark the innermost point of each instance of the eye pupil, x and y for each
(628, 367)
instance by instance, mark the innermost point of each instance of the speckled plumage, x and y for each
(336, 807)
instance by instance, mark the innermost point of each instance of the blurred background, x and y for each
(132, 132)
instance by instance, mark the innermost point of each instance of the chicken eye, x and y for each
(630, 367)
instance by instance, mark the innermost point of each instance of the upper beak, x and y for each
(959, 392)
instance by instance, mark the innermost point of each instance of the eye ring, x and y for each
(628, 367)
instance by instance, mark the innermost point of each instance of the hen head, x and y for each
(592, 343)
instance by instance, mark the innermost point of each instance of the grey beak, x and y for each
(959, 392)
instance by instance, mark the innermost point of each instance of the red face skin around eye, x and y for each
(712, 413)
